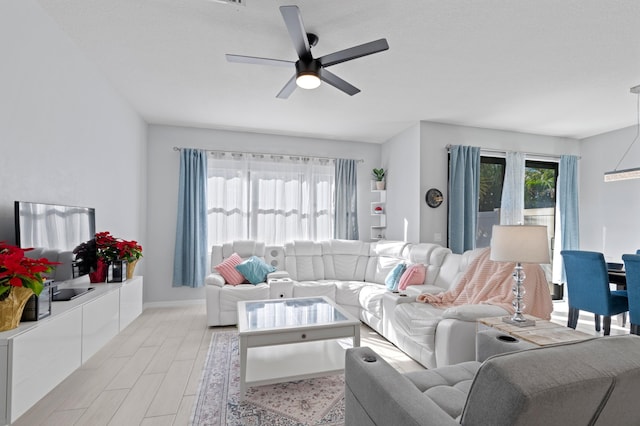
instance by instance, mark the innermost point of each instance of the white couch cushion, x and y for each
(303, 260)
(419, 321)
(231, 295)
(348, 292)
(370, 298)
(345, 260)
(314, 288)
(431, 255)
(383, 257)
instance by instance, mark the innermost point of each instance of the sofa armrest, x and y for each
(214, 279)
(377, 394)
(473, 312)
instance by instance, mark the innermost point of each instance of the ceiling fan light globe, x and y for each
(308, 81)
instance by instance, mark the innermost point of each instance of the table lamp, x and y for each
(519, 244)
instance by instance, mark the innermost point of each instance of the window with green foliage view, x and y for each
(540, 181)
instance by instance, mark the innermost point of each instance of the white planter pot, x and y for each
(380, 185)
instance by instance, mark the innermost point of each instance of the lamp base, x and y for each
(519, 322)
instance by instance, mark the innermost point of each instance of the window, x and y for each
(274, 199)
(539, 195)
(491, 180)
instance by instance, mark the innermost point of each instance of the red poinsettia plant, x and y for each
(129, 250)
(17, 270)
(107, 248)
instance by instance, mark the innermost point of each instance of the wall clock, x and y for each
(434, 197)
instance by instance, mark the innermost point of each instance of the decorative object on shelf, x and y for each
(379, 175)
(98, 254)
(433, 197)
(131, 252)
(378, 210)
(131, 266)
(520, 244)
(12, 306)
(20, 277)
(117, 271)
(99, 273)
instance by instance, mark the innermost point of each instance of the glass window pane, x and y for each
(491, 181)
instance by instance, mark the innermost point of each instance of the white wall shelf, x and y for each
(378, 212)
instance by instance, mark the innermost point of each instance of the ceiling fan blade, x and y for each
(337, 82)
(288, 88)
(259, 61)
(354, 52)
(298, 34)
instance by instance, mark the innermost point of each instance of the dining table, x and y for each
(619, 278)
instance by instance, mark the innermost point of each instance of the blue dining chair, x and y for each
(632, 269)
(588, 288)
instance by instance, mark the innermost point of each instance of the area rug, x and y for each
(318, 401)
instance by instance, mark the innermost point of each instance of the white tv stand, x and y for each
(38, 355)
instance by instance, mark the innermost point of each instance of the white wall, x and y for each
(67, 137)
(401, 160)
(434, 139)
(163, 168)
(609, 211)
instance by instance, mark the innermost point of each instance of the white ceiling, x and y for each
(551, 67)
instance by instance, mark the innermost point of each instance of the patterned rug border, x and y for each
(217, 400)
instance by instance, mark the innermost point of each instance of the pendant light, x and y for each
(634, 173)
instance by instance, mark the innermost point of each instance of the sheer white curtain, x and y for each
(270, 198)
(228, 200)
(512, 204)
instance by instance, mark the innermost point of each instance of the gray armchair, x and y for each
(593, 382)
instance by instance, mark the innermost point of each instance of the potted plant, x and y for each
(130, 251)
(86, 258)
(379, 175)
(93, 257)
(20, 278)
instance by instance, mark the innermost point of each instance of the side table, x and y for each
(495, 336)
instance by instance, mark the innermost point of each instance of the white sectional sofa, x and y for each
(352, 273)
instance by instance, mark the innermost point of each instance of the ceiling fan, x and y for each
(309, 70)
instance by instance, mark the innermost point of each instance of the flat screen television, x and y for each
(53, 226)
(59, 228)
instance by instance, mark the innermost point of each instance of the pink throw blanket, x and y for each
(491, 283)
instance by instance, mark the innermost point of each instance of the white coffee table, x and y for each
(292, 339)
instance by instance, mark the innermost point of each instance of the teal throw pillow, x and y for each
(393, 278)
(255, 270)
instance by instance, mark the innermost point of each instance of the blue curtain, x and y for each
(190, 256)
(346, 200)
(569, 232)
(464, 189)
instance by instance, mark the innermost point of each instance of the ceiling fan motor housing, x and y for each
(308, 73)
(308, 67)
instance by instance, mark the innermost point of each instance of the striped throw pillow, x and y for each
(228, 270)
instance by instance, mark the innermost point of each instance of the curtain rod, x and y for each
(502, 151)
(177, 148)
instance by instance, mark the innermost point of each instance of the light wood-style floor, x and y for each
(149, 374)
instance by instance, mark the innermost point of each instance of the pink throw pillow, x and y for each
(414, 275)
(228, 270)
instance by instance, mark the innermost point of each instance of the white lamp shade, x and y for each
(519, 243)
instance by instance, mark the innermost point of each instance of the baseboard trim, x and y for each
(173, 303)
